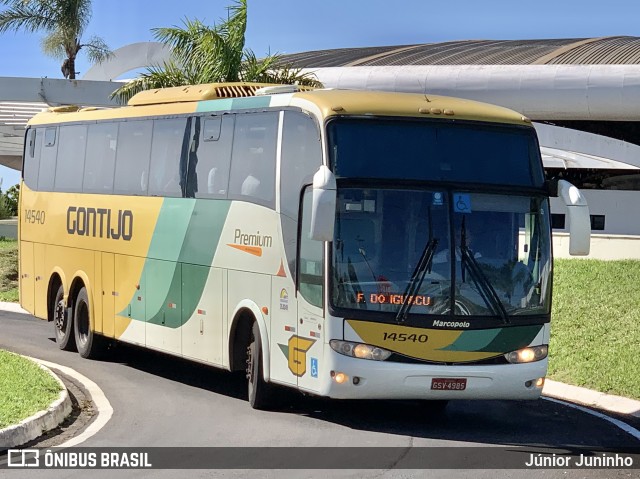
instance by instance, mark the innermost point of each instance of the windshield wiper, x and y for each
(483, 285)
(417, 278)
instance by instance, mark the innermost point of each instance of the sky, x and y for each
(290, 26)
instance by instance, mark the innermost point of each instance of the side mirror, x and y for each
(579, 219)
(323, 205)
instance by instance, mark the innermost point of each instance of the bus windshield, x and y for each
(488, 255)
(428, 150)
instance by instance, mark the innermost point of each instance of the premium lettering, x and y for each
(100, 222)
(252, 240)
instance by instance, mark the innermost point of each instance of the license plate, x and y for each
(449, 384)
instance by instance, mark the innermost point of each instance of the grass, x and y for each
(595, 327)
(25, 389)
(8, 270)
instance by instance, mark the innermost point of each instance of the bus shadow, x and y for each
(514, 423)
(179, 370)
(517, 423)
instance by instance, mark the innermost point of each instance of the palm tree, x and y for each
(63, 21)
(203, 54)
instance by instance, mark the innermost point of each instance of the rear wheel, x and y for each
(260, 392)
(63, 322)
(89, 344)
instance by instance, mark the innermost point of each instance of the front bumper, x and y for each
(389, 380)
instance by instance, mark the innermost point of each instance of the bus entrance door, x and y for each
(283, 340)
(309, 349)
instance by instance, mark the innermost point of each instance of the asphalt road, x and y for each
(160, 401)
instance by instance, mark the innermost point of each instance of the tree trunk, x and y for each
(72, 68)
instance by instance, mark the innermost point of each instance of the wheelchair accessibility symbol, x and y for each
(314, 367)
(462, 203)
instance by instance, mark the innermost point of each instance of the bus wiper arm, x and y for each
(487, 290)
(417, 278)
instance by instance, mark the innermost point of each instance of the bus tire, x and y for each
(88, 343)
(63, 323)
(259, 391)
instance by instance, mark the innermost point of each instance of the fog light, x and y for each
(540, 382)
(340, 378)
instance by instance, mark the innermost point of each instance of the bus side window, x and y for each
(32, 157)
(70, 164)
(300, 158)
(47, 169)
(164, 173)
(132, 157)
(310, 264)
(100, 159)
(253, 165)
(214, 157)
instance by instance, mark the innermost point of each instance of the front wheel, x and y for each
(63, 323)
(90, 345)
(260, 392)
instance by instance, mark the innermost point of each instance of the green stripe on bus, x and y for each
(204, 231)
(199, 233)
(228, 104)
(172, 225)
(497, 340)
(473, 340)
(513, 338)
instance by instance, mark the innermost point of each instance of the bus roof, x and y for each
(241, 96)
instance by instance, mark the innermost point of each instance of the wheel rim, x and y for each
(60, 318)
(251, 365)
(82, 313)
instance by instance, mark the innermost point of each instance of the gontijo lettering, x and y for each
(100, 222)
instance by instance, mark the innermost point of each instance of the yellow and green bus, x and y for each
(348, 244)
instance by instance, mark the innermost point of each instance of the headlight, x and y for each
(528, 355)
(359, 350)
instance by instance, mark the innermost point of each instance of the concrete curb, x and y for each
(12, 308)
(590, 398)
(41, 422)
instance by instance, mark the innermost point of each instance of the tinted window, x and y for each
(132, 157)
(100, 158)
(164, 176)
(213, 157)
(436, 151)
(311, 269)
(557, 221)
(32, 157)
(301, 157)
(597, 222)
(70, 164)
(47, 170)
(253, 165)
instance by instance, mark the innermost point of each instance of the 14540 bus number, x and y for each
(34, 216)
(402, 337)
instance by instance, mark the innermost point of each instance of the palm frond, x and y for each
(167, 75)
(23, 16)
(97, 50)
(55, 45)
